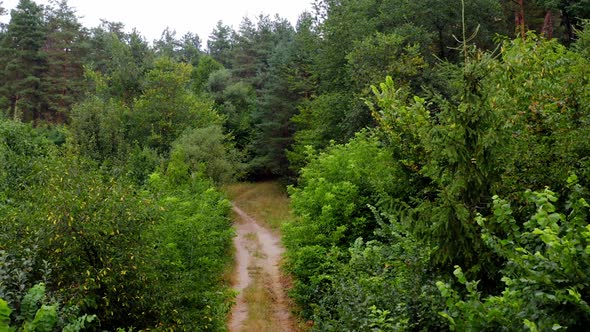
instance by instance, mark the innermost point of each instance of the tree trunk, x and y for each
(519, 19)
(548, 25)
(569, 29)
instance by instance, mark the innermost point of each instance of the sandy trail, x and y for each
(258, 249)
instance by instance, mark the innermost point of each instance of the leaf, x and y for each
(4, 316)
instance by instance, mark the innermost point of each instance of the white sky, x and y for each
(151, 17)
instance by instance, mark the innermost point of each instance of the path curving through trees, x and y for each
(262, 304)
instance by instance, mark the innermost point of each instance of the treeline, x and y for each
(278, 88)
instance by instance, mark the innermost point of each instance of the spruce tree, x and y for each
(220, 44)
(63, 81)
(22, 61)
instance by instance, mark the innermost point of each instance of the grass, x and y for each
(260, 309)
(258, 295)
(267, 202)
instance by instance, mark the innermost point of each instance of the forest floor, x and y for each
(262, 304)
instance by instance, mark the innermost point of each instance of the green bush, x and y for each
(547, 275)
(191, 249)
(38, 315)
(331, 203)
(207, 151)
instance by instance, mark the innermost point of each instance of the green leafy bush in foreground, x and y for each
(37, 315)
(191, 250)
(547, 277)
(136, 257)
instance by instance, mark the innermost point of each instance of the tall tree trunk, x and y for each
(569, 29)
(548, 25)
(13, 100)
(441, 43)
(519, 19)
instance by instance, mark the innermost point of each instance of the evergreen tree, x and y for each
(167, 45)
(63, 81)
(273, 132)
(190, 48)
(23, 61)
(245, 51)
(220, 44)
(121, 61)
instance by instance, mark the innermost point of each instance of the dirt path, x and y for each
(261, 304)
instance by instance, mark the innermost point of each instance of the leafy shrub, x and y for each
(87, 226)
(332, 205)
(38, 315)
(386, 285)
(98, 130)
(190, 252)
(208, 152)
(547, 284)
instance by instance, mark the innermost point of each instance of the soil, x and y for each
(258, 254)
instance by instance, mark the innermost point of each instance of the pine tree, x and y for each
(63, 81)
(277, 104)
(190, 48)
(220, 44)
(23, 61)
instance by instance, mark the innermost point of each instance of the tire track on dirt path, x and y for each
(258, 253)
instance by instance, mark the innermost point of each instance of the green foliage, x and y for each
(331, 202)
(201, 72)
(190, 251)
(392, 273)
(166, 107)
(506, 122)
(4, 315)
(109, 248)
(63, 78)
(543, 88)
(273, 129)
(98, 130)
(21, 153)
(206, 151)
(22, 61)
(36, 315)
(546, 275)
(386, 54)
(117, 62)
(89, 229)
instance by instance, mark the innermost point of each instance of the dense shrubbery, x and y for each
(513, 122)
(546, 274)
(84, 219)
(191, 249)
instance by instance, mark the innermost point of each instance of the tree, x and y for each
(63, 81)
(202, 71)
(190, 48)
(273, 129)
(23, 61)
(572, 12)
(220, 44)
(120, 59)
(245, 51)
(167, 107)
(167, 45)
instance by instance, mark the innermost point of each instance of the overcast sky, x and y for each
(151, 17)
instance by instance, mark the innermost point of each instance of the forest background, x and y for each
(428, 143)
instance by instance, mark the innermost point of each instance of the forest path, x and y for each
(262, 303)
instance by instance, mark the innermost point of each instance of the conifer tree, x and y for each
(23, 61)
(220, 44)
(63, 81)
